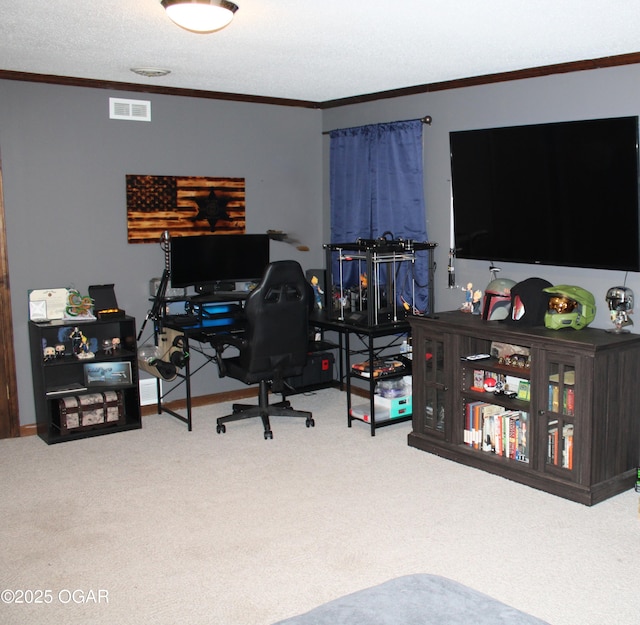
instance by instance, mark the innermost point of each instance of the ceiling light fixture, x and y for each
(150, 72)
(200, 16)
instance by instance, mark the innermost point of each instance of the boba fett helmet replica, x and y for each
(569, 307)
(497, 299)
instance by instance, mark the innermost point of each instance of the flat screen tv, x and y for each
(561, 194)
(203, 262)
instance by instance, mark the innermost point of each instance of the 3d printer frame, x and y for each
(378, 260)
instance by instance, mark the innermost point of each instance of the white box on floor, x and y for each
(395, 406)
(363, 412)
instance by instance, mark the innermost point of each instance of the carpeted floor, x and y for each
(200, 528)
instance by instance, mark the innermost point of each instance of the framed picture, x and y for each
(183, 206)
(107, 373)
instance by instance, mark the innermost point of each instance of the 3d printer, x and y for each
(373, 280)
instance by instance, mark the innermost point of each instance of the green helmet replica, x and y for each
(569, 307)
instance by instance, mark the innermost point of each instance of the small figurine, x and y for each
(80, 344)
(473, 300)
(477, 301)
(49, 353)
(107, 346)
(115, 343)
(85, 351)
(60, 350)
(78, 305)
(467, 305)
(76, 337)
(317, 291)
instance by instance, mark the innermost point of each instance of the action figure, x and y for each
(473, 299)
(317, 291)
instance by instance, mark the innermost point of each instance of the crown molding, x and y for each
(533, 72)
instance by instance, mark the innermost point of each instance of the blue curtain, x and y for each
(376, 184)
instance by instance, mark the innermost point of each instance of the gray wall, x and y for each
(64, 165)
(591, 94)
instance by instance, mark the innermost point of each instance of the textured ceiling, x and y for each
(315, 50)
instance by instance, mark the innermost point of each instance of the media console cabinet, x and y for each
(573, 427)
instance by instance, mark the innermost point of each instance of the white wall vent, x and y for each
(139, 110)
(149, 391)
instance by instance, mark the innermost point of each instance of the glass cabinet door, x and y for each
(433, 384)
(560, 419)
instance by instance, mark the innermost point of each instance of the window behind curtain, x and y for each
(376, 184)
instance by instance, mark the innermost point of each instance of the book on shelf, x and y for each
(554, 402)
(380, 367)
(488, 413)
(568, 399)
(524, 390)
(553, 440)
(567, 446)
(470, 430)
(522, 426)
(560, 444)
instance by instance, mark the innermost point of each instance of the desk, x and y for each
(393, 334)
(198, 330)
(369, 343)
(198, 335)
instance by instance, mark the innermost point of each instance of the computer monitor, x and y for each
(205, 261)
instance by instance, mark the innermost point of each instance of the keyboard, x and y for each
(180, 321)
(231, 295)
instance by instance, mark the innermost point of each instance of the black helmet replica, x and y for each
(529, 302)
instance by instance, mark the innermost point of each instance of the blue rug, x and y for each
(415, 600)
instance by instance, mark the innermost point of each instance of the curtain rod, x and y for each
(427, 119)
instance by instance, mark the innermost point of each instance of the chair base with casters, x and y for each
(264, 410)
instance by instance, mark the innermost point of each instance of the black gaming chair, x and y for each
(274, 345)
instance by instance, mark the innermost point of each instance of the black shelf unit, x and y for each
(64, 376)
(365, 343)
(374, 421)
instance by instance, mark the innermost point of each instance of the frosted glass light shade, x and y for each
(200, 16)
